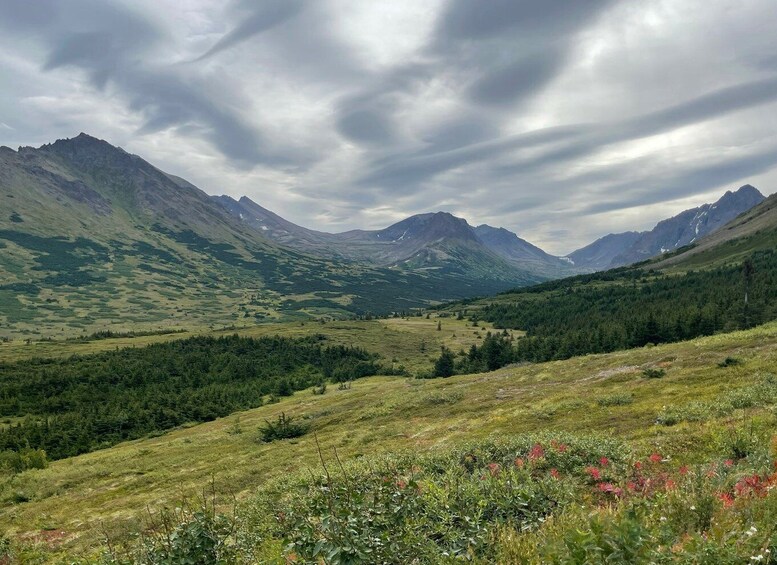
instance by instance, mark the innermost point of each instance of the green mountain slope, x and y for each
(662, 301)
(93, 238)
(754, 230)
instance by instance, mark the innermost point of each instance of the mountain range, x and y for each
(686, 228)
(95, 238)
(432, 241)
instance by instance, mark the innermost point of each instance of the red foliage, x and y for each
(726, 498)
(494, 469)
(536, 452)
(594, 473)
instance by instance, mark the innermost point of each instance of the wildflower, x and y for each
(494, 469)
(536, 452)
(638, 465)
(684, 470)
(663, 518)
(562, 447)
(609, 487)
(759, 557)
(631, 485)
(752, 531)
(604, 461)
(726, 498)
(594, 473)
(656, 458)
(670, 484)
(554, 473)
(519, 462)
(728, 463)
(401, 484)
(693, 507)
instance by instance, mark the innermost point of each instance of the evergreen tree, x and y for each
(444, 366)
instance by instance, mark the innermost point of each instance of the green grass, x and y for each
(412, 342)
(111, 489)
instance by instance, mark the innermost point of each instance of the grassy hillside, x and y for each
(727, 281)
(93, 239)
(688, 416)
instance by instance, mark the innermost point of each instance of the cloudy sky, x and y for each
(561, 120)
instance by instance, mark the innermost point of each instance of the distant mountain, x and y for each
(425, 242)
(271, 225)
(94, 238)
(668, 235)
(518, 251)
(599, 255)
(751, 232)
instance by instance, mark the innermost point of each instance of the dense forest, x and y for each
(76, 405)
(625, 308)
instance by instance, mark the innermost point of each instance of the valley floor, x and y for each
(69, 507)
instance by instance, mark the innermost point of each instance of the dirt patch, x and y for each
(51, 538)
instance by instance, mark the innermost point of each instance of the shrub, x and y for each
(729, 362)
(618, 399)
(444, 366)
(652, 373)
(189, 536)
(438, 398)
(429, 509)
(25, 458)
(741, 443)
(285, 427)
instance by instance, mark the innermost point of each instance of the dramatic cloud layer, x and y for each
(559, 120)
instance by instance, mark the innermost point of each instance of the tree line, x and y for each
(621, 309)
(76, 405)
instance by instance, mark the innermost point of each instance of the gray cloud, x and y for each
(686, 181)
(114, 45)
(465, 20)
(259, 18)
(534, 114)
(574, 142)
(510, 49)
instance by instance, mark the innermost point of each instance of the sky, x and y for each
(560, 120)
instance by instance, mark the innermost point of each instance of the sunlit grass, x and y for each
(112, 488)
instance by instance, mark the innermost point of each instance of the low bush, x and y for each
(652, 373)
(284, 427)
(618, 399)
(441, 507)
(729, 362)
(549, 498)
(23, 459)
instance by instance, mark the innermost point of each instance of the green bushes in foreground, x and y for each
(531, 499)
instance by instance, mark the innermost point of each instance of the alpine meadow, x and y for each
(342, 282)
